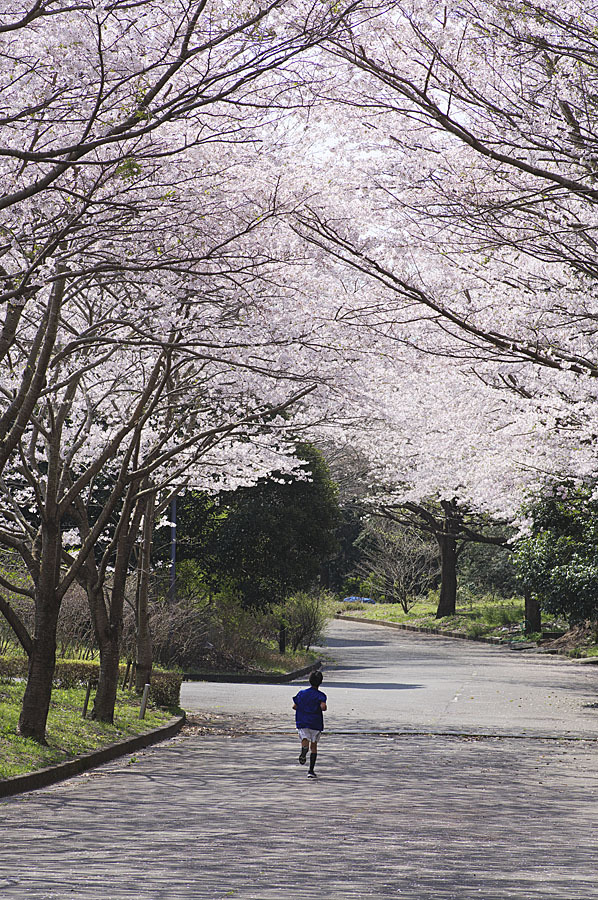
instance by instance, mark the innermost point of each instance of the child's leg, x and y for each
(313, 754)
(304, 748)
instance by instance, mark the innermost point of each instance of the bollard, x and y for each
(144, 701)
(87, 695)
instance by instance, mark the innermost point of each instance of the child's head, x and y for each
(315, 679)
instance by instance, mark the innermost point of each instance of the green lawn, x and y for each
(488, 616)
(68, 734)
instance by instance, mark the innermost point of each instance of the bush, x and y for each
(503, 613)
(165, 689)
(304, 617)
(75, 673)
(12, 667)
(199, 633)
(75, 638)
(487, 569)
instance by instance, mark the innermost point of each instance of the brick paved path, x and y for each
(225, 810)
(215, 816)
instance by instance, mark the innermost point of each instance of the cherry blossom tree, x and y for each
(477, 189)
(144, 325)
(91, 91)
(464, 228)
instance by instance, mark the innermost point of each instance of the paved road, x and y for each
(388, 680)
(396, 815)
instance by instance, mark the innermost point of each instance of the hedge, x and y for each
(164, 690)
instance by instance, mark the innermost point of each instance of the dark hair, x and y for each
(315, 679)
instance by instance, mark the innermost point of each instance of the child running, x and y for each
(309, 705)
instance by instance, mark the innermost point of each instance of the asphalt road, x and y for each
(383, 680)
(429, 789)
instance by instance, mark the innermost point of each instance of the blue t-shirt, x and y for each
(309, 712)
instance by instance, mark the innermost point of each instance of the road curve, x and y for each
(381, 680)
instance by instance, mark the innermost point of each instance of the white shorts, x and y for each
(309, 734)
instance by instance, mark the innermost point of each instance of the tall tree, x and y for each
(271, 539)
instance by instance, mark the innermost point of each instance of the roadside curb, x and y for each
(247, 678)
(419, 630)
(32, 781)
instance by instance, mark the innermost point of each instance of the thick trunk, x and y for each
(110, 632)
(107, 642)
(42, 661)
(108, 629)
(143, 672)
(447, 541)
(105, 699)
(533, 614)
(447, 602)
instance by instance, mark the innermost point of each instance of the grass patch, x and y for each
(486, 616)
(269, 661)
(275, 663)
(68, 735)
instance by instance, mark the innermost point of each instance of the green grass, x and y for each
(485, 616)
(68, 734)
(276, 663)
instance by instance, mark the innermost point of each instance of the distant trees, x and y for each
(399, 564)
(266, 541)
(557, 561)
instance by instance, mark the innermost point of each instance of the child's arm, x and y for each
(294, 706)
(323, 706)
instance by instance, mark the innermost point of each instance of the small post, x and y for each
(144, 701)
(127, 670)
(87, 696)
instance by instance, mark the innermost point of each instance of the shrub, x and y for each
(165, 689)
(75, 673)
(304, 617)
(12, 667)
(75, 638)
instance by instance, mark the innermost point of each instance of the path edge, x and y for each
(437, 632)
(248, 678)
(40, 778)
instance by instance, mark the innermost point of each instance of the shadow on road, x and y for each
(344, 642)
(372, 686)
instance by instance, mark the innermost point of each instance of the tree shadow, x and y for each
(372, 685)
(346, 642)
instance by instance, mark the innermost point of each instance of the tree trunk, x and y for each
(533, 614)
(109, 634)
(282, 638)
(107, 643)
(447, 603)
(447, 542)
(144, 638)
(42, 661)
(105, 699)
